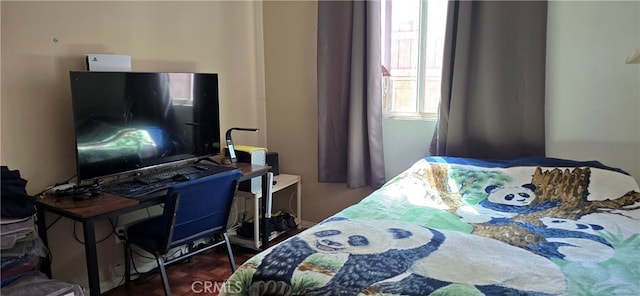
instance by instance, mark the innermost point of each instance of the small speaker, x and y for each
(272, 161)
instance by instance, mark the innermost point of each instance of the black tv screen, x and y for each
(132, 121)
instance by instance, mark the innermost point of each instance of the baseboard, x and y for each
(307, 224)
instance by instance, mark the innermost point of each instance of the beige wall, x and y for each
(593, 97)
(37, 131)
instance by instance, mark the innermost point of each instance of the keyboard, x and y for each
(144, 185)
(133, 189)
(168, 174)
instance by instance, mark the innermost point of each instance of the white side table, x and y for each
(282, 181)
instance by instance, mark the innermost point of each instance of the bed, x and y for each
(459, 226)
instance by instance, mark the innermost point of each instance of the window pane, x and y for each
(436, 21)
(404, 94)
(413, 66)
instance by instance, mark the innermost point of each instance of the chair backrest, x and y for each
(198, 208)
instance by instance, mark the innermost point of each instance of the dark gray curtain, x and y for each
(493, 82)
(349, 94)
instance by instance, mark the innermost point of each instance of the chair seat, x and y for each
(147, 235)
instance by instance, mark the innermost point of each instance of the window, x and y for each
(412, 46)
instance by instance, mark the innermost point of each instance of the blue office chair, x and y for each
(193, 210)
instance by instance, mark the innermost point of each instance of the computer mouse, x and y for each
(180, 177)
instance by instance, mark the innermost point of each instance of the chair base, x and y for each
(162, 263)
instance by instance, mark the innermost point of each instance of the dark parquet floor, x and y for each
(210, 267)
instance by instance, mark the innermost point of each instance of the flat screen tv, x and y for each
(128, 122)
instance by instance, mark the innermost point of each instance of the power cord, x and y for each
(75, 235)
(39, 194)
(118, 232)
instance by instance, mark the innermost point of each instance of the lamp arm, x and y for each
(230, 148)
(228, 133)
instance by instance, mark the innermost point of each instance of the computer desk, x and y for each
(108, 205)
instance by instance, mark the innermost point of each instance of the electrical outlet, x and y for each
(119, 234)
(118, 270)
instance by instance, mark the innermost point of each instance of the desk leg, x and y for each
(263, 211)
(91, 254)
(299, 202)
(257, 235)
(45, 266)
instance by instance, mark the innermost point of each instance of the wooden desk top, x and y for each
(108, 203)
(250, 170)
(91, 207)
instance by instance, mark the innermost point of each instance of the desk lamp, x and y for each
(232, 152)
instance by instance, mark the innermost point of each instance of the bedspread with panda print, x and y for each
(459, 226)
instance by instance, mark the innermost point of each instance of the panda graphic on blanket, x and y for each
(550, 213)
(561, 238)
(402, 258)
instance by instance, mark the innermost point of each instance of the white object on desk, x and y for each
(108, 62)
(269, 195)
